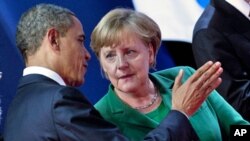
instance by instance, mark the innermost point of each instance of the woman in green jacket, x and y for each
(126, 43)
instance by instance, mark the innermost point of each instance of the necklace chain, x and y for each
(153, 100)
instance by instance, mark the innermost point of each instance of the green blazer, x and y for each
(211, 121)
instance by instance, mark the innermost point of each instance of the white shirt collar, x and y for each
(241, 5)
(44, 71)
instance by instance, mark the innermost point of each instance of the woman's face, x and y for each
(127, 64)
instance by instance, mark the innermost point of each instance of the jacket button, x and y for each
(245, 73)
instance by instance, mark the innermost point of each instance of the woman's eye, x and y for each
(109, 55)
(130, 52)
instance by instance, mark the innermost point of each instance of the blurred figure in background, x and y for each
(222, 33)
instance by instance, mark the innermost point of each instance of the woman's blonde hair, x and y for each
(115, 24)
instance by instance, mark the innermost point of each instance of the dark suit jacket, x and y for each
(43, 110)
(222, 34)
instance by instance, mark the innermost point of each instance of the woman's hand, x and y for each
(188, 97)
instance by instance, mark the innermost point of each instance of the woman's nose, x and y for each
(122, 62)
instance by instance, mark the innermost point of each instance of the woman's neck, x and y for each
(145, 99)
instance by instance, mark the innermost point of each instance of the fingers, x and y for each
(213, 86)
(199, 98)
(210, 75)
(209, 81)
(177, 82)
(200, 71)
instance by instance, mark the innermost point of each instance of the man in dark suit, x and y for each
(48, 107)
(222, 33)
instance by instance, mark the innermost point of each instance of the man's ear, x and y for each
(53, 37)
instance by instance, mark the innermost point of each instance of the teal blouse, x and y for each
(211, 120)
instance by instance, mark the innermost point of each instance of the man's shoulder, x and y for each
(204, 19)
(41, 87)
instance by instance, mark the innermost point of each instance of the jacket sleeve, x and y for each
(76, 119)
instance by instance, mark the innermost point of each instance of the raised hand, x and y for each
(189, 96)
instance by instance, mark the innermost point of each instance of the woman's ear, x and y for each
(151, 55)
(53, 37)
